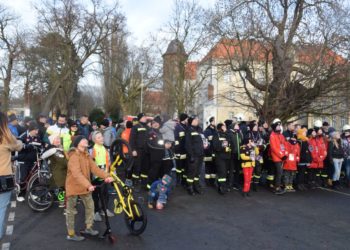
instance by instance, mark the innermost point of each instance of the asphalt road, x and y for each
(315, 219)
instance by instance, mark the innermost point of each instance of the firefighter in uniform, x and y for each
(209, 156)
(180, 150)
(195, 144)
(157, 148)
(222, 151)
(138, 145)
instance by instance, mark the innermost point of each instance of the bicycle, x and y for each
(134, 216)
(40, 196)
(37, 174)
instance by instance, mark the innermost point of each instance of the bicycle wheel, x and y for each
(33, 181)
(40, 198)
(138, 224)
(122, 149)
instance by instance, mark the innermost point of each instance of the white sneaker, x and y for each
(97, 217)
(20, 199)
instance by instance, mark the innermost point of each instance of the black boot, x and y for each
(255, 187)
(178, 179)
(244, 194)
(190, 189)
(221, 189)
(197, 188)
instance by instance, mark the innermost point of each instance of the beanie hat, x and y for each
(77, 140)
(228, 123)
(183, 117)
(32, 126)
(105, 122)
(325, 124)
(331, 130)
(190, 119)
(12, 117)
(211, 119)
(157, 120)
(139, 116)
(94, 123)
(219, 126)
(128, 124)
(309, 132)
(252, 124)
(94, 134)
(166, 179)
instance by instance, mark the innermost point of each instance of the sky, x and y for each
(143, 16)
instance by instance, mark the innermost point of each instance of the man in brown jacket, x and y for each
(78, 183)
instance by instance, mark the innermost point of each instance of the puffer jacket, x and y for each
(108, 136)
(167, 130)
(80, 167)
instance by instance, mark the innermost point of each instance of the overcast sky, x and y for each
(143, 16)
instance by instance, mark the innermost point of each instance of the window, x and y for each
(227, 76)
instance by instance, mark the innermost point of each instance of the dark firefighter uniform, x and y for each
(138, 143)
(209, 156)
(222, 149)
(160, 157)
(180, 150)
(195, 154)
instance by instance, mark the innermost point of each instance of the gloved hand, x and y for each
(284, 158)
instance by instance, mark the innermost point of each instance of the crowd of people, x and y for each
(234, 155)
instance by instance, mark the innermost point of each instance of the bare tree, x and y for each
(188, 36)
(286, 53)
(10, 44)
(83, 27)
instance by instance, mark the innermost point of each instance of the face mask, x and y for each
(60, 125)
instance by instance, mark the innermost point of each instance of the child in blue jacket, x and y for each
(159, 192)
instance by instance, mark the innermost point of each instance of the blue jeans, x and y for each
(4, 201)
(337, 163)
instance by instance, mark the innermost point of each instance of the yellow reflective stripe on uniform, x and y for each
(213, 176)
(210, 137)
(194, 133)
(182, 134)
(141, 129)
(222, 139)
(222, 180)
(324, 175)
(270, 177)
(144, 176)
(256, 176)
(208, 158)
(183, 157)
(196, 179)
(190, 180)
(178, 171)
(148, 186)
(135, 176)
(177, 142)
(184, 176)
(213, 155)
(207, 176)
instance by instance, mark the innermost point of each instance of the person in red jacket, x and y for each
(290, 166)
(279, 153)
(318, 150)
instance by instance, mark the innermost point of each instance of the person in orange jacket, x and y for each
(318, 150)
(279, 153)
(126, 135)
(290, 166)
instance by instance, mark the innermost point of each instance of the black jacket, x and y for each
(334, 152)
(235, 139)
(155, 144)
(210, 133)
(28, 153)
(305, 155)
(180, 136)
(139, 137)
(222, 146)
(194, 142)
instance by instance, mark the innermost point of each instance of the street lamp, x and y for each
(141, 104)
